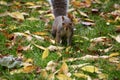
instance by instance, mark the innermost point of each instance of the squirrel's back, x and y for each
(60, 7)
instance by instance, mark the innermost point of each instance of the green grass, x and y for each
(79, 45)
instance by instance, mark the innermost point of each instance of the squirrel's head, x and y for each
(67, 24)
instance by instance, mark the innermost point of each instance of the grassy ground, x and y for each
(80, 46)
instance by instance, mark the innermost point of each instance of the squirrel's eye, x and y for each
(70, 24)
(63, 24)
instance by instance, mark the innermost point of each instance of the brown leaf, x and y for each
(4, 14)
(118, 28)
(81, 4)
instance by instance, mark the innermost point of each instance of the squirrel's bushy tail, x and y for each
(60, 7)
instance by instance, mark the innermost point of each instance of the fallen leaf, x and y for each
(28, 36)
(118, 66)
(82, 13)
(76, 3)
(45, 53)
(51, 66)
(116, 6)
(29, 60)
(38, 37)
(68, 49)
(103, 76)
(44, 73)
(88, 3)
(40, 47)
(64, 68)
(95, 10)
(88, 23)
(114, 60)
(16, 71)
(3, 3)
(51, 77)
(10, 62)
(55, 48)
(24, 48)
(17, 15)
(117, 38)
(63, 77)
(91, 69)
(32, 19)
(4, 14)
(29, 69)
(81, 75)
(41, 33)
(29, 4)
(78, 66)
(35, 6)
(106, 50)
(118, 28)
(114, 54)
(100, 39)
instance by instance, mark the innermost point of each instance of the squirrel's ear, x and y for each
(63, 18)
(70, 16)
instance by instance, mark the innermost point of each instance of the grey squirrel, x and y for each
(62, 28)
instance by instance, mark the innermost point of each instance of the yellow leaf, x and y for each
(29, 60)
(63, 77)
(114, 54)
(102, 76)
(68, 49)
(88, 3)
(64, 68)
(16, 71)
(83, 14)
(81, 75)
(17, 15)
(29, 69)
(118, 66)
(41, 33)
(44, 74)
(51, 77)
(114, 59)
(40, 47)
(29, 3)
(2, 2)
(12, 27)
(91, 69)
(51, 16)
(45, 53)
(76, 3)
